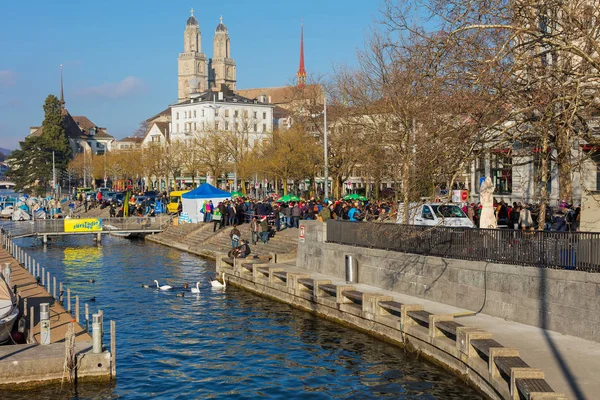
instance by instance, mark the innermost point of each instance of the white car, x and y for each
(437, 214)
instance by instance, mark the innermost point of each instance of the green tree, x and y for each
(31, 165)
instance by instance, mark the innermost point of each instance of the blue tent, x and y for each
(206, 191)
(193, 202)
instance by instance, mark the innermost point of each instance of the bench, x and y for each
(527, 386)
(483, 346)
(422, 317)
(505, 364)
(353, 295)
(448, 327)
(227, 260)
(282, 275)
(248, 266)
(309, 283)
(329, 288)
(393, 307)
(263, 270)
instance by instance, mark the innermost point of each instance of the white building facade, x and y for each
(222, 111)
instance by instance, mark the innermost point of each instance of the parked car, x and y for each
(436, 214)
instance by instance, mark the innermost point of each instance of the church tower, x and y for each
(301, 75)
(221, 66)
(192, 69)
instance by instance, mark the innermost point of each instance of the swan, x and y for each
(164, 287)
(216, 284)
(196, 289)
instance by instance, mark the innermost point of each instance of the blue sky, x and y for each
(120, 57)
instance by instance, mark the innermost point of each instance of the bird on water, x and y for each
(196, 289)
(163, 287)
(92, 299)
(145, 286)
(182, 294)
(216, 284)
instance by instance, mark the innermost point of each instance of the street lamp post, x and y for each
(326, 181)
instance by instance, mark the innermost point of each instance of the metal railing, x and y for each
(50, 226)
(566, 250)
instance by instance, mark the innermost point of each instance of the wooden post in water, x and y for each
(101, 314)
(69, 300)
(48, 281)
(60, 294)
(38, 270)
(54, 287)
(113, 348)
(43, 276)
(87, 317)
(77, 308)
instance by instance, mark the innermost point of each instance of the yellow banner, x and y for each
(83, 225)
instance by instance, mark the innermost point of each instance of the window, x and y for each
(194, 113)
(194, 126)
(255, 127)
(596, 158)
(184, 114)
(216, 112)
(245, 113)
(264, 127)
(217, 125)
(177, 115)
(226, 114)
(264, 115)
(255, 114)
(426, 213)
(235, 113)
(226, 125)
(500, 171)
(176, 127)
(203, 112)
(237, 127)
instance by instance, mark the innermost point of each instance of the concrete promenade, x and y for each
(28, 288)
(32, 364)
(570, 364)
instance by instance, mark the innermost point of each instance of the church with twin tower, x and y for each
(196, 74)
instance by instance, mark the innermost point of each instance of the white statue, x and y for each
(486, 195)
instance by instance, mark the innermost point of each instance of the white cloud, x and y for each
(127, 86)
(7, 77)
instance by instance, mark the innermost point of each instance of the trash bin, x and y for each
(351, 269)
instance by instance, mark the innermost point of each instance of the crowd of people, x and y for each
(563, 218)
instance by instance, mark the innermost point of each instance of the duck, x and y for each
(145, 286)
(164, 287)
(186, 285)
(196, 289)
(92, 281)
(92, 299)
(216, 284)
(182, 294)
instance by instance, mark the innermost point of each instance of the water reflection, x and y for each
(224, 344)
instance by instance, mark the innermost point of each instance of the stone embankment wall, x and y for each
(558, 300)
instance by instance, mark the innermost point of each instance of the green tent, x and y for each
(355, 196)
(287, 198)
(236, 194)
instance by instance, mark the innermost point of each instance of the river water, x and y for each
(221, 344)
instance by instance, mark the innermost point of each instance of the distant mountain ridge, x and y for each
(6, 152)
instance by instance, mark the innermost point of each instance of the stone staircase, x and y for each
(200, 239)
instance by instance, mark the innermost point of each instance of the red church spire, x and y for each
(301, 71)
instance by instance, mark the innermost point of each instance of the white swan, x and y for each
(164, 287)
(196, 289)
(216, 284)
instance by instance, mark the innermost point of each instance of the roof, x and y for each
(285, 94)
(163, 113)
(211, 96)
(192, 21)
(132, 139)
(78, 127)
(206, 191)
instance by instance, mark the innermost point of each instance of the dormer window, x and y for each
(92, 131)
